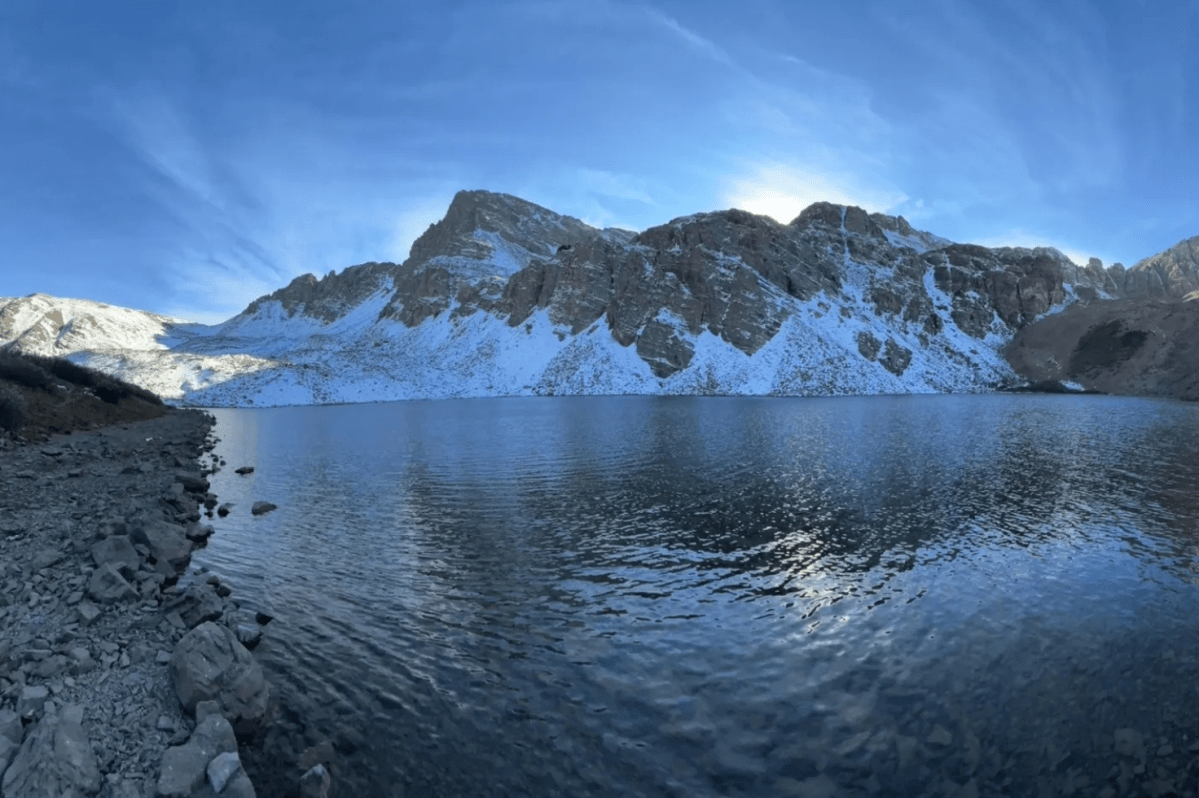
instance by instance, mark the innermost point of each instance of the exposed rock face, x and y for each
(1173, 273)
(481, 224)
(471, 256)
(1015, 284)
(330, 297)
(1145, 347)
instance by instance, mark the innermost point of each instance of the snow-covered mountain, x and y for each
(503, 297)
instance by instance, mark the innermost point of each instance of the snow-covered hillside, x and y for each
(504, 298)
(44, 324)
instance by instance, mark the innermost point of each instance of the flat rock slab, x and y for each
(244, 470)
(55, 761)
(192, 483)
(117, 551)
(261, 508)
(107, 586)
(166, 541)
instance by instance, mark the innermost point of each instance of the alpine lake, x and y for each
(721, 596)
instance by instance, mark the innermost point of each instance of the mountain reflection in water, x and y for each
(681, 596)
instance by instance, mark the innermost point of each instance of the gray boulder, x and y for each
(259, 508)
(166, 542)
(184, 766)
(55, 761)
(107, 586)
(315, 783)
(249, 635)
(224, 509)
(238, 786)
(8, 750)
(31, 699)
(192, 483)
(52, 666)
(87, 612)
(118, 552)
(198, 532)
(222, 768)
(196, 605)
(10, 726)
(209, 664)
(45, 558)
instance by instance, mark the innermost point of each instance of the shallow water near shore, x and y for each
(681, 596)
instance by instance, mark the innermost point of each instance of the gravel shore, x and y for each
(114, 680)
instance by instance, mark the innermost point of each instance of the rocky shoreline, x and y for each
(122, 675)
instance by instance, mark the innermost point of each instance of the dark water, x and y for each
(668, 596)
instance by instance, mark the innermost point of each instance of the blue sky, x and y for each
(185, 157)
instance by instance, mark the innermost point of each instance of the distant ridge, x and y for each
(504, 297)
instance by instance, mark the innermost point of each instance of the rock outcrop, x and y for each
(1143, 347)
(209, 664)
(1171, 274)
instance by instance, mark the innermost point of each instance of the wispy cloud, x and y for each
(255, 214)
(612, 184)
(216, 263)
(699, 44)
(1032, 115)
(782, 190)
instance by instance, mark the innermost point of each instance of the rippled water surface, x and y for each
(669, 596)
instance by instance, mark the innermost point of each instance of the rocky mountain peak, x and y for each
(1172, 273)
(893, 230)
(850, 218)
(500, 228)
(328, 298)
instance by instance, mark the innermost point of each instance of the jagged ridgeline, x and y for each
(504, 297)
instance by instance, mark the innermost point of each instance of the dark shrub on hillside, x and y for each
(12, 408)
(110, 393)
(18, 369)
(108, 388)
(71, 372)
(139, 392)
(113, 391)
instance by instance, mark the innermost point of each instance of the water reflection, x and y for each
(720, 596)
